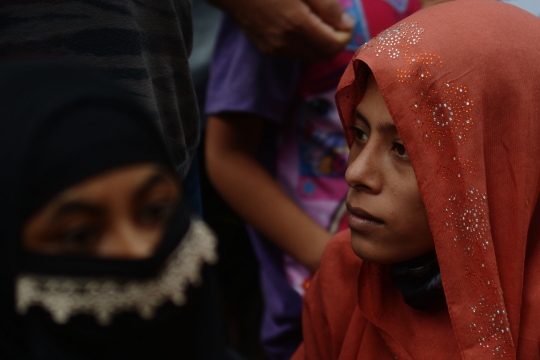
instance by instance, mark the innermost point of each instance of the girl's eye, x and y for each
(79, 238)
(400, 150)
(360, 134)
(156, 213)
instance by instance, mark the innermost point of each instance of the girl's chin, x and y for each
(371, 253)
(381, 254)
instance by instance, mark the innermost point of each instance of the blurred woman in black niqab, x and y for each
(98, 254)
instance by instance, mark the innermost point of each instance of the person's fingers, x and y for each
(342, 37)
(322, 40)
(331, 12)
(290, 28)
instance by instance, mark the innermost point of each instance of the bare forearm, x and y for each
(257, 197)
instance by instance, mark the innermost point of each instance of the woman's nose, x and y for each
(364, 172)
(128, 241)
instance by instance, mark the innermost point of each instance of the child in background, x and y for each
(442, 259)
(276, 152)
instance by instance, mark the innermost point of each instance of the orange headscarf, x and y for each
(462, 83)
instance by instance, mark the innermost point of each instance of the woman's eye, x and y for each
(156, 213)
(79, 238)
(360, 134)
(400, 150)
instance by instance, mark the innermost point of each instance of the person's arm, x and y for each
(232, 142)
(299, 29)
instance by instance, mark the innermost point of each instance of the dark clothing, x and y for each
(61, 125)
(143, 44)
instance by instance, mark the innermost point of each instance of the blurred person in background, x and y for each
(99, 252)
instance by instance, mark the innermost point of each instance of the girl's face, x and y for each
(119, 214)
(387, 217)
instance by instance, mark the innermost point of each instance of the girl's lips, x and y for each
(362, 221)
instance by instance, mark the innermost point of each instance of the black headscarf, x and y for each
(61, 124)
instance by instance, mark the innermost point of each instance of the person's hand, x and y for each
(299, 29)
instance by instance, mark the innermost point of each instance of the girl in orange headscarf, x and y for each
(442, 115)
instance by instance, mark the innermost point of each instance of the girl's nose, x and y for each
(364, 170)
(127, 241)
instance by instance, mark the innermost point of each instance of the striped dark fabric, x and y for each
(143, 44)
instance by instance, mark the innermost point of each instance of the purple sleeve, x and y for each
(242, 79)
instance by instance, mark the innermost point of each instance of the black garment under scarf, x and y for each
(61, 124)
(419, 281)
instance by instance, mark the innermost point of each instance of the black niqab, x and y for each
(61, 124)
(419, 281)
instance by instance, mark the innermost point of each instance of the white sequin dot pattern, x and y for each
(393, 41)
(468, 220)
(467, 215)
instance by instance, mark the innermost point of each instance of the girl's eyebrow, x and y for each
(387, 129)
(358, 115)
(80, 207)
(150, 183)
(381, 128)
